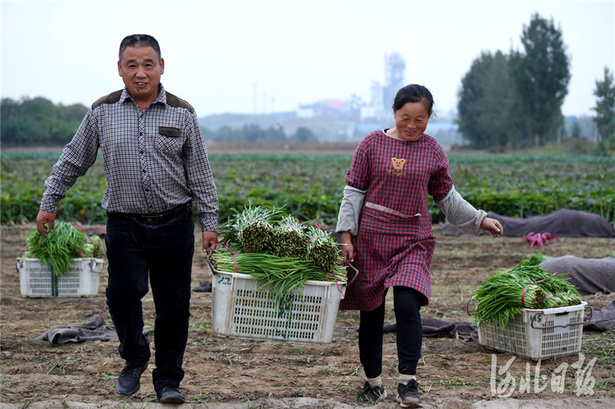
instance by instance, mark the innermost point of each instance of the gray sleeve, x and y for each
(350, 210)
(461, 213)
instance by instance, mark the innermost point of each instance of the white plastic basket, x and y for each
(538, 333)
(36, 280)
(240, 310)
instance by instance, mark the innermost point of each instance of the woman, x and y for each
(384, 218)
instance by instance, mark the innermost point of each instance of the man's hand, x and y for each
(44, 222)
(210, 239)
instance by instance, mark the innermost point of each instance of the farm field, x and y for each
(310, 183)
(453, 372)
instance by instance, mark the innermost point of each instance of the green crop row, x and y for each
(310, 186)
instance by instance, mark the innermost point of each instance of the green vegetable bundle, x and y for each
(502, 296)
(278, 251)
(289, 238)
(61, 246)
(323, 249)
(280, 275)
(253, 228)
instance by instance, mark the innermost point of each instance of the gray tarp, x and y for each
(589, 275)
(562, 223)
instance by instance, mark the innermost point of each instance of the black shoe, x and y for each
(169, 394)
(408, 395)
(129, 380)
(371, 394)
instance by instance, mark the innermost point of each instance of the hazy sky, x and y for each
(263, 56)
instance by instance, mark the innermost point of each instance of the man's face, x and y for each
(141, 70)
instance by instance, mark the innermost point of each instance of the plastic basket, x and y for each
(240, 310)
(36, 280)
(538, 333)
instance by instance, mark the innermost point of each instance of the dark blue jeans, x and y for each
(164, 253)
(407, 303)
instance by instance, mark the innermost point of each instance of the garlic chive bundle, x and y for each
(502, 296)
(566, 299)
(256, 236)
(323, 249)
(60, 247)
(253, 229)
(290, 239)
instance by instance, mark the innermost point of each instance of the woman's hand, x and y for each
(347, 247)
(492, 226)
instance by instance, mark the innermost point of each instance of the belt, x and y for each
(154, 219)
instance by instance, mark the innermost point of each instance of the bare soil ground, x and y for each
(227, 372)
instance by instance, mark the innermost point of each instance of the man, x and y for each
(156, 166)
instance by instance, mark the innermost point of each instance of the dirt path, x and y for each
(233, 373)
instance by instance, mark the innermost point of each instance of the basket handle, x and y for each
(95, 263)
(211, 267)
(468, 307)
(533, 319)
(356, 274)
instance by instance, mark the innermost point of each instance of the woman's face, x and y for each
(411, 121)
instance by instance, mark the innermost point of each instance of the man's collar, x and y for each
(162, 95)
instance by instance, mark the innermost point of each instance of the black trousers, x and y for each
(406, 302)
(163, 253)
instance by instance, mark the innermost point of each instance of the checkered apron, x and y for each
(395, 243)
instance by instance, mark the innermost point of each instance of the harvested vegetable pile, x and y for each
(278, 251)
(61, 246)
(528, 285)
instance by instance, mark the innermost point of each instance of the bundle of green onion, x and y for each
(253, 228)
(289, 238)
(61, 246)
(502, 296)
(323, 249)
(280, 275)
(278, 251)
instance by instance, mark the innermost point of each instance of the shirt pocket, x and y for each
(169, 140)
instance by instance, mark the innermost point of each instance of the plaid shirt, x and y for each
(395, 243)
(154, 160)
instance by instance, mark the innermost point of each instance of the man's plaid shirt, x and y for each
(154, 160)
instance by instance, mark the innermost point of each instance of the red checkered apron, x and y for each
(395, 243)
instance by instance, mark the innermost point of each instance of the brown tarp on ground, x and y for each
(562, 223)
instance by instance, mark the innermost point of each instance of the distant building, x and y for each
(382, 96)
(325, 107)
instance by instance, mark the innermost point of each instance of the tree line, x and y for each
(38, 121)
(515, 99)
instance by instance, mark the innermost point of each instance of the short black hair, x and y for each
(140, 40)
(414, 93)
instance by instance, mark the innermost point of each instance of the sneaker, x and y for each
(371, 394)
(169, 394)
(129, 380)
(408, 395)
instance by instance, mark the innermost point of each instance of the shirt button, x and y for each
(141, 133)
(141, 152)
(143, 170)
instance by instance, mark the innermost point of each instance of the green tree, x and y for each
(605, 106)
(485, 102)
(541, 76)
(303, 135)
(575, 133)
(38, 121)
